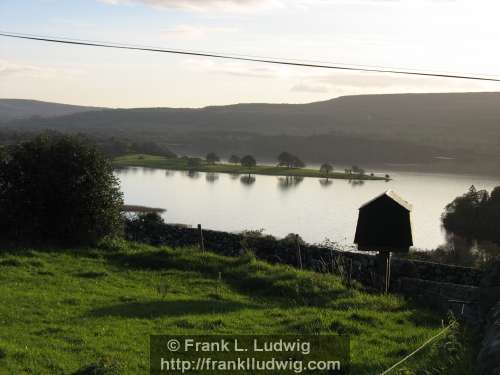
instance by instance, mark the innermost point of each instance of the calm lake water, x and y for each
(314, 209)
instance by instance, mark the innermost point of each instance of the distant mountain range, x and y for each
(17, 109)
(433, 126)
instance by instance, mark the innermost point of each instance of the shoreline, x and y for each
(178, 164)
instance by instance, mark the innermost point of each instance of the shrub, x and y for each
(148, 228)
(58, 189)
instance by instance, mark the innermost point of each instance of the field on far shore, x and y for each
(181, 164)
(78, 311)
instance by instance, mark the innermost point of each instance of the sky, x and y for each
(455, 36)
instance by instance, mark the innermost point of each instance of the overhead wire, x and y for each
(249, 58)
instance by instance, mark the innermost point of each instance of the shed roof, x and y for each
(395, 197)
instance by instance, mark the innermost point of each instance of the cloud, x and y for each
(344, 83)
(202, 4)
(9, 69)
(239, 69)
(310, 88)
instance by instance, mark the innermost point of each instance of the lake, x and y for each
(311, 207)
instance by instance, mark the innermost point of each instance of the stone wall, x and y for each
(489, 356)
(360, 266)
(461, 300)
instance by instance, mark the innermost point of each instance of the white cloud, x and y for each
(240, 69)
(349, 83)
(310, 88)
(8, 69)
(202, 4)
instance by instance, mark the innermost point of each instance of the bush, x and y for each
(147, 228)
(60, 190)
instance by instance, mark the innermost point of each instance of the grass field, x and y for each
(180, 164)
(63, 310)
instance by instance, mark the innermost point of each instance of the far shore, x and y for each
(181, 164)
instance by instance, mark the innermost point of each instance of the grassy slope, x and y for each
(181, 164)
(60, 311)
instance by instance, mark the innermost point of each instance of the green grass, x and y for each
(180, 164)
(61, 311)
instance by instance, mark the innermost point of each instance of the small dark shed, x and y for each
(384, 224)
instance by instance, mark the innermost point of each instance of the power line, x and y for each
(322, 62)
(266, 60)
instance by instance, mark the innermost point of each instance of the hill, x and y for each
(397, 128)
(77, 311)
(15, 109)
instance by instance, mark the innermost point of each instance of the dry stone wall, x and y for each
(361, 266)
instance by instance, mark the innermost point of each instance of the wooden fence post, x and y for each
(299, 254)
(386, 256)
(350, 272)
(201, 241)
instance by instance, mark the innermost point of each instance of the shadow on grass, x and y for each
(154, 309)
(243, 274)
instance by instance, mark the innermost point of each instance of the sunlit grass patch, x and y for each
(63, 311)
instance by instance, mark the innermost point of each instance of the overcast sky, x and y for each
(434, 35)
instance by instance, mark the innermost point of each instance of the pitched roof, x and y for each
(395, 197)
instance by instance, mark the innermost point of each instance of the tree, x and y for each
(285, 159)
(58, 190)
(212, 158)
(357, 169)
(248, 161)
(326, 169)
(297, 163)
(193, 163)
(235, 159)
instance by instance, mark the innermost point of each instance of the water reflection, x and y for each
(192, 174)
(310, 209)
(211, 177)
(234, 176)
(247, 180)
(150, 170)
(466, 251)
(126, 170)
(356, 183)
(287, 182)
(325, 182)
(169, 173)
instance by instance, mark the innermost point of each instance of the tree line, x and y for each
(285, 159)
